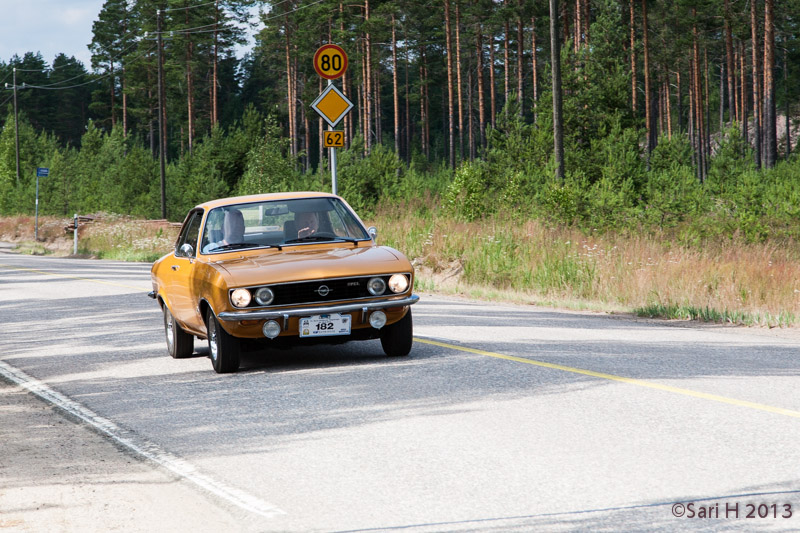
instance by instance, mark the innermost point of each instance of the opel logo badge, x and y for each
(323, 290)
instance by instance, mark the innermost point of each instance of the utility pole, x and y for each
(161, 140)
(555, 59)
(16, 122)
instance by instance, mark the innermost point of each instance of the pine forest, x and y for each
(632, 115)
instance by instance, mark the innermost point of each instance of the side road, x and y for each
(60, 476)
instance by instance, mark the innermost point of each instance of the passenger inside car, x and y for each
(232, 231)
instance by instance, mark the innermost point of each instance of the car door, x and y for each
(182, 265)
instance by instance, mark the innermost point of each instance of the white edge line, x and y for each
(141, 447)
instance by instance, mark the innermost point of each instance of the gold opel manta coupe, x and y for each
(285, 269)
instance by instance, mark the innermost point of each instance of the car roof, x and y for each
(264, 197)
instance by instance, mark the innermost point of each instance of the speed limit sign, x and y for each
(330, 61)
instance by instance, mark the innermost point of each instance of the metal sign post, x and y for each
(332, 156)
(330, 62)
(75, 236)
(40, 173)
(332, 105)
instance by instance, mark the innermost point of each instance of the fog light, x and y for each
(377, 319)
(271, 329)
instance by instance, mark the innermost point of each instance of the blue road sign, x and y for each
(42, 172)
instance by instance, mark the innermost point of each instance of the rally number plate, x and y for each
(325, 325)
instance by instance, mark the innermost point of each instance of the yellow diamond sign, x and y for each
(332, 105)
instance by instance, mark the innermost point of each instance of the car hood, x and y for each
(304, 263)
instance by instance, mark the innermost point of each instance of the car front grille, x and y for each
(323, 291)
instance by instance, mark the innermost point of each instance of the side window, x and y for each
(190, 233)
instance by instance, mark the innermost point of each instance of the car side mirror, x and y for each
(187, 250)
(373, 232)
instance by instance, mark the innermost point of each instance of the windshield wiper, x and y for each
(348, 239)
(311, 238)
(233, 246)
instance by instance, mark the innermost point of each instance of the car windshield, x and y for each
(280, 222)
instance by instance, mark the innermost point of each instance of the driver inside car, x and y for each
(307, 224)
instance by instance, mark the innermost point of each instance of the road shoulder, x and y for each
(59, 475)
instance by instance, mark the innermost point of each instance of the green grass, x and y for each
(708, 314)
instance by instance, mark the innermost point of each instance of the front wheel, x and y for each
(223, 347)
(396, 339)
(179, 343)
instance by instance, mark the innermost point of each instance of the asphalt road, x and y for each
(503, 418)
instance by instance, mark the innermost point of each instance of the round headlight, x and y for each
(264, 296)
(240, 298)
(376, 286)
(398, 283)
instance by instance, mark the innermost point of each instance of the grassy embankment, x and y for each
(752, 284)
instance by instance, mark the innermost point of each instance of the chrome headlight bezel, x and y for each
(376, 286)
(264, 296)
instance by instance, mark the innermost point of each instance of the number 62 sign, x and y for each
(330, 61)
(333, 139)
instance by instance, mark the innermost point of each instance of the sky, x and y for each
(50, 27)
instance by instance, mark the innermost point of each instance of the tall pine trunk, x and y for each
(481, 107)
(756, 76)
(555, 57)
(743, 91)
(730, 64)
(492, 88)
(648, 111)
(520, 77)
(368, 74)
(506, 64)
(459, 82)
(215, 67)
(699, 126)
(289, 95)
(770, 130)
(189, 86)
(634, 103)
(449, 51)
(534, 69)
(395, 95)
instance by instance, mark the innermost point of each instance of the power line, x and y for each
(292, 11)
(187, 7)
(7, 101)
(102, 77)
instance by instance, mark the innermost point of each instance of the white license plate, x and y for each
(325, 325)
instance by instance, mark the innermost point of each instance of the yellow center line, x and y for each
(70, 277)
(622, 379)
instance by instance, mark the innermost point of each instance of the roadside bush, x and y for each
(469, 196)
(268, 167)
(363, 180)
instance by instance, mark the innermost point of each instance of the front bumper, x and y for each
(232, 316)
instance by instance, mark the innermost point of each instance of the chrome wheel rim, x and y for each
(212, 338)
(170, 328)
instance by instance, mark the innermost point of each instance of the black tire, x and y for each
(179, 343)
(397, 339)
(223, 348)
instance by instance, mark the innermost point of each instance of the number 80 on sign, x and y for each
(330, 61)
